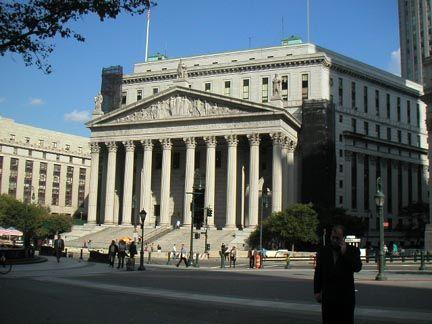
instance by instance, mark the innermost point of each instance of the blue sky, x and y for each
(366, 30)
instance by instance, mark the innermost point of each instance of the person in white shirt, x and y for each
(174, 252)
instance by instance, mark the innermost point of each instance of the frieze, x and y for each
(176, 107)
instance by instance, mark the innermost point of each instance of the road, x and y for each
(93, 293)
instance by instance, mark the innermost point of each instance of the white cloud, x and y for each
(2, 99)
(395, 62)
(36, 102)
(77, 116)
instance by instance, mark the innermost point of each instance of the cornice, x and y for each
(228, 68)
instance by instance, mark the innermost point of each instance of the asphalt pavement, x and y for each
(82, 292)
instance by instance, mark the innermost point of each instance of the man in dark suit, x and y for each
(58, 247)
(334, 278)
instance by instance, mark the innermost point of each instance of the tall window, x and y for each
(155, 90)
(340, 91)
(409, 139)
(354, 124)
(409, 111)
(305, 86)
(377, 103)
(245, 88)
(353, 95)
(227, 88)
(13, 177)
(264, 89)
(365, 99)
(28, 175)
(378, 130)
(69, 184)
(56, 185)
(418, 114)
(366, 128)
(139, 95)
(399, 135)
(81, 187)
(42, 182)
(388, 133)
(398, 109)
(388, 105)
(418, 141)
(123, 100)
(285, 87)
(207, 86)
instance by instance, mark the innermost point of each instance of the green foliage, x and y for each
(328, 217)
(25, 26)
(31, 219)
(414, 220)
(296, 225)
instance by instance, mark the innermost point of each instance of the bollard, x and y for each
(149, 257)
(81, 255)
(287, 265)
(196, 265)
(422, 261)
(169, 258)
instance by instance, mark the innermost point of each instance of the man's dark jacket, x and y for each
(334, 279)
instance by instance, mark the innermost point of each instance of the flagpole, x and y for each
(147, 34)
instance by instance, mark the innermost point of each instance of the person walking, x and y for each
(132, 250)
(58, 247)
(334, 278)
(121, 254)
(233, 256)
(112, 252)
(251, 258)
(183, 253)
(174, 252)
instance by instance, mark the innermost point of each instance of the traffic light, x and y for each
(209, 212)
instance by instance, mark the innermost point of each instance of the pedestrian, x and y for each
(251, 258)
(177, 226)
(89, 245)
(174, 252)
(121, 254)
(233, 256)
(334, 278)
(58, 247)
(223, 254)
(112, 252)
(183, 256)
(159, 248)
(132, 250)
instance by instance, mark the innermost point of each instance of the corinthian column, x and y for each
(110, 182)
(189, 178)
(128, 183)
(146, 174)
(277, 172)
(94, 177)
(291, 145)
(254, 142)
(165, 180)
(209, 196)
(231, 181)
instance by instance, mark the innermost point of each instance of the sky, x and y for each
(366, 30)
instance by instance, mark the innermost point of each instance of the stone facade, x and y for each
(45, 167)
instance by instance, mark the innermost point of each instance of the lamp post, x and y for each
(379, 202)
(198, 185)
(142, 215)
(264, 201)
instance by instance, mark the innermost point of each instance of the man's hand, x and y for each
(318, 297)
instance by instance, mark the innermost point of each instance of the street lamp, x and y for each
(379, 202)
(264, 201)
(197, 187)
(142, 215)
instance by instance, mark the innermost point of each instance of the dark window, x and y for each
(377, 103)
(139, 95)
(399, 136)
(340, 91)
(366, 128)
(418, 115)
(398, 109)
(245, 88)
(378, 130)
(305, 86)
(388, 105)
(285, 87)
(340, 118)
(409, 111)
(365, 99)
(155, 90)
(409, 139)
(354, 124)
(207, 86)
(264, 89)
(176, 160)
(123, 101)
(353, 95)
(218, 159)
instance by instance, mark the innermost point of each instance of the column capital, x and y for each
(129, 146)
(190, 142)
(112, 146)
(166, 143)
(277, 138)
(232, 140)
(210, 141)
(147, 144)
(254, 139)
(94, 147)
(289, 144)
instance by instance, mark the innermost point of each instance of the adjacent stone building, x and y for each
(45, 167)
(307, 123)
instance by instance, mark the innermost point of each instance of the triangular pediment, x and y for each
(181, 103)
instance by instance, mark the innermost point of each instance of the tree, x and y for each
(414, 219)
(53, 224)
(294, 226)
(26, 26)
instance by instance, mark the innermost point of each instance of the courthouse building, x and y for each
(309, 124)
(45, 167)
